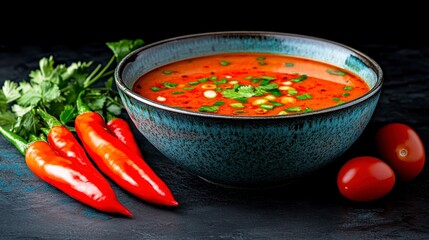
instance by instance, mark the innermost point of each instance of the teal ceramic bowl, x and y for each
(244, 151)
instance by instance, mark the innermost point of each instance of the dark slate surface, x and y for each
(310, 208)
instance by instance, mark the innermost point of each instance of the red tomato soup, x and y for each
(250, 84)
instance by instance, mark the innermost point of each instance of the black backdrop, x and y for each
(351, 23)
(311, 209)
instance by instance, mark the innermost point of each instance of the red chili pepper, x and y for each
(117, 161)
(67, 175)
(120, 128)
(65, 143)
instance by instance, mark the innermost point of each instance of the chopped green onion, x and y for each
(213, 78)
(266, 106)
(262, 63)
(248, 77)
(219, 103)
(218, 89)
(155, 89)
(260, 58)
(193, 83)
(201, 80)
(292, 91)
(265, 82)
(348, 88)
(345, 94)
(293, 109)
(208, 109)
(224, 63)
(188, 88)
(268, 87)
(241, 99)
(169, 84)
(268, 78)
(255, 80)
(336, 72)
(237, 105)
(289, 64)
(300, 79)
(277, 104)
(307, 109)
(336, 99)
(340, 102)
(167, 72)
(276, 92)
(304, 96)
(222, 81)
(175, 93)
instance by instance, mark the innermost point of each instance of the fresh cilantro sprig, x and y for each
(54, 88)
(247, 91)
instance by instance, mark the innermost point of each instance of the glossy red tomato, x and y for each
(401, 147)
(365, 179)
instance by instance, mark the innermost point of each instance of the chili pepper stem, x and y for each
(81, 106)
(50, 120)
(110, 117)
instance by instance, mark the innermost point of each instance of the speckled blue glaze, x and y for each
(249, 151)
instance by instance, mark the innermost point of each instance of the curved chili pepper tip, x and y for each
(174, 203)
(123, 166)
(123, 210)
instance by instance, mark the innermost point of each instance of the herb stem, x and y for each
(89, 81)
(108, 73)
(93, 73)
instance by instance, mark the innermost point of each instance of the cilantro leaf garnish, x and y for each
(239, 92)
(247, 91)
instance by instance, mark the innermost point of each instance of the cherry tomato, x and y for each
(365, 179)
(401, 148)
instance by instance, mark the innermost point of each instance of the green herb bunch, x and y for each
(54, 88)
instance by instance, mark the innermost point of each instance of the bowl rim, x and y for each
(130, 57)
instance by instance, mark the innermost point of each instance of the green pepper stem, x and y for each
(45, 131)
(15, 139)
(33, 138)
(82, 107)
(110, 117)
(50, 120)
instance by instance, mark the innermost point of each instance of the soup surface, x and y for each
(250, 84)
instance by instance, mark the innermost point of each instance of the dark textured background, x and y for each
(310, 208)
